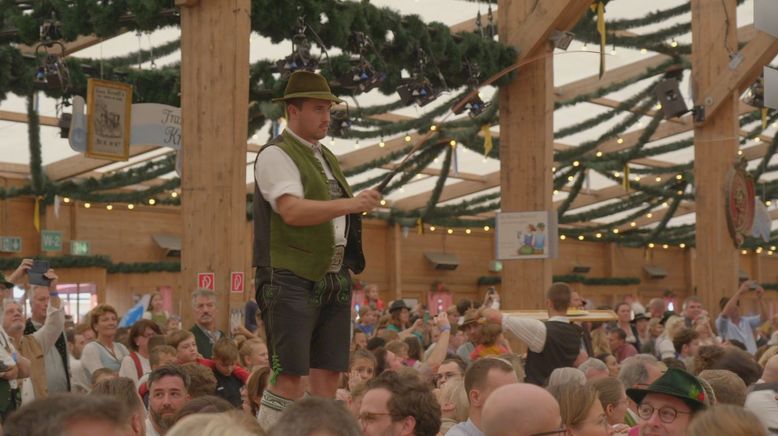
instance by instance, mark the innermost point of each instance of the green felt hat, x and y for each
(4, 282)
(305, 84)
(675, 383)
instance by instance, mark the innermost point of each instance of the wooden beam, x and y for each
(716, 144)
(18, 117)
(756, 54)
(79, 164)
(81, 42)
(215, 51)
(657, 215)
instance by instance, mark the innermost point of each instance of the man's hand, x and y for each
(10, 373)
(744, 287)
(491, 315)
(20, 271)
(366, 201)
(441, 320)
(54, 279)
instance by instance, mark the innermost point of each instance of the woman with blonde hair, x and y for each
(725, 420)
(664, 343)
(454, 404)
(581, 410)
(703, 327)
(600, 344)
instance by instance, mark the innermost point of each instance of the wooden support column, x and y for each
(214, 108)
(527, 130)
(716, 260)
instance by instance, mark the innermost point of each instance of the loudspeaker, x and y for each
(443, 261)
(669, 95)
(655, 272)
(581, 269)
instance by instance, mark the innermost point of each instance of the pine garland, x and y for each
(99, 261)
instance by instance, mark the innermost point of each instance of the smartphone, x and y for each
(37, 271)
(752, 286)
(427, 317)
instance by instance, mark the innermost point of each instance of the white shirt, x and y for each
(277, 175)
(764, 405)
(530, 330)
(7, 354)
(128, 368)
(150, 430)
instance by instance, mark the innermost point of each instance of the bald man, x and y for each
(762, 396)
(520, 409)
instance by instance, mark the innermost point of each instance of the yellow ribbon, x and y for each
(36, 219)
(420, 226)
(625, 182)
(599, 7)
(488, 144)
(764, 118)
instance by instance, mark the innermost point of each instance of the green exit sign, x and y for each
(80, 248)
(10, 244)
(51, 240)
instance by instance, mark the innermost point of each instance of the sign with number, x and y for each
(51, 240)
(237, 282)
(80, 248)
(10, 244)
(206, 281)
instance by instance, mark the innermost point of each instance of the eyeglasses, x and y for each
(561, 430)
(666, 414)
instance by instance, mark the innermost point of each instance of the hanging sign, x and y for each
(109, 109)
(739, 192)
(526, 235)
(10, 244)
(51, 240)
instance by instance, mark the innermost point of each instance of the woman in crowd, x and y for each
(103, 352)
(612, 363)
(613, 398)
(664, 343)
(703, 327)
(624, 313)
(254, 390)
(655, 330)
(581, 411)
(136, 365)
(156, 312)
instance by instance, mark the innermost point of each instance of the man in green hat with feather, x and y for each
(307, 241)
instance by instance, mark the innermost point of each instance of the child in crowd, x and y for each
(254, 390)
(361, 368)
(159, 356)
(186, 347)
(225, 358)
(489, 342)
(253, 354)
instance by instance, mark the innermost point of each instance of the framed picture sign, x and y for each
(109, 109)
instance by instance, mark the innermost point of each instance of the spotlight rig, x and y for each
(418, 89)
(301, 57)
(362, 76)
(474, 105)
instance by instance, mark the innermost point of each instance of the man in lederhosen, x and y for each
(307, 237)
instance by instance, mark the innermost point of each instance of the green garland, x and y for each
(98, 261)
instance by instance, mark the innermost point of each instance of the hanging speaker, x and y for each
(669, 95)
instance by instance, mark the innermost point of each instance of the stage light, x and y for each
(562, 39)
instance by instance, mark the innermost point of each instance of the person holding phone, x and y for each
(42, 289)
(732, 325)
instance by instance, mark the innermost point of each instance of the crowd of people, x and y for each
(411, 371)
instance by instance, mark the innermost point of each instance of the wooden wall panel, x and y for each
(126, 236)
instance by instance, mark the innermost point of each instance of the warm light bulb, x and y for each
(633, 224)
(468, 231)
(109, 207)
(152, 201)
(615, 230)
(66, 200)
(453, 143)
(576, 163)
(665, 246)
(643, 51)
(620, 141)
(383, 202)
(658, 179)
(649, 215)
(130, 206)
(598, 235)
(87, 205)
(562, 237)
(682, 245)
(673, 43)
(433, 127)
(486, 228)
(432, 228)
(598, 154)
(450, 231)
(382, 144)
(174, 194)
(580, 237)
(651, 245)
(407, 138)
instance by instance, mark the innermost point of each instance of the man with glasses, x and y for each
(666, 407)
(399, 405)
(522, 409)
(638, 372)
